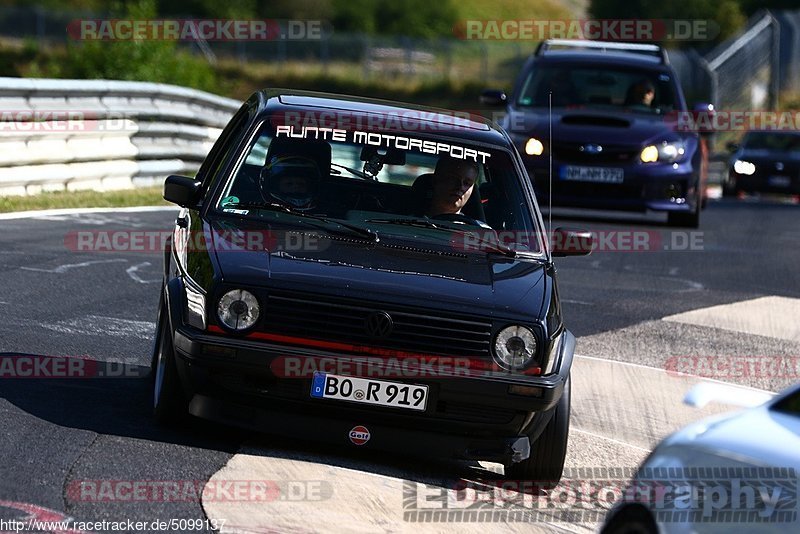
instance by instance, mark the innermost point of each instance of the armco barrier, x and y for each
(98, 134)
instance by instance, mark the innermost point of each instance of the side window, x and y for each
(222, 148)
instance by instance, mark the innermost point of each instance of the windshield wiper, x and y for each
(494, 246)
(274, 206)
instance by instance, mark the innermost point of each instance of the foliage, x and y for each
(136, 59)
(726, 14)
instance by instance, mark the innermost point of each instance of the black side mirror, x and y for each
(571, 242)
(732, 147)
(494, 97)
(181, 190)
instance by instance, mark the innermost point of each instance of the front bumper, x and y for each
(230, 380)
(657, 187)
(760, 182)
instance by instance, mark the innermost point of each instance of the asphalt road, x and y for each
(625, 306)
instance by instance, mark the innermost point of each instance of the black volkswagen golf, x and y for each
(368, 274)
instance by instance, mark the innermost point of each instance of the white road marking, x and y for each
(772, 316)
(79, 211)
(61, 269)
(98, 325)
(714, 192)
(670, 373)
(132, 270)
(613, 428)
(606, 438)
(570, 301)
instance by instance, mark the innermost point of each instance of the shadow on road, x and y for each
(117, 403)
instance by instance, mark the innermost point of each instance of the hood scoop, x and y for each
(595, 120)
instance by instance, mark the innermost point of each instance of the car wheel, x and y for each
(546, 462)
(169, 403)
(631, 520)
(683, 219)
(729, 187)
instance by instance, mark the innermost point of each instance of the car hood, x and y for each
(585, 125)
(387, 271)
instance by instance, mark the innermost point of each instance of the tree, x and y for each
(726, 15)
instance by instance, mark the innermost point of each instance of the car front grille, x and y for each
(346, 321)
(571, 153)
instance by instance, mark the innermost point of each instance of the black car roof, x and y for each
(588, 57)
(383, 115)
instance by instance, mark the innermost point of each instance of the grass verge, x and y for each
(144, 196)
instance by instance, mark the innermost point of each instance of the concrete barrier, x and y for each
(102, 134)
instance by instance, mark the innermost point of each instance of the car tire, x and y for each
(169, 402)
(684, 219)
(729, 187)
(631, 520)
(546, 463)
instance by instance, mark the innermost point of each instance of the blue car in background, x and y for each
(619, 141)
(765, 162)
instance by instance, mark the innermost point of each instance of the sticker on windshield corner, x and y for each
(359, 435)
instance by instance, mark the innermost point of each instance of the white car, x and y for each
(736, 472)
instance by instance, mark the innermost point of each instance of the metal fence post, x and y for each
(775, 70)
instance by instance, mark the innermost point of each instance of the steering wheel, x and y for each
(459, 218)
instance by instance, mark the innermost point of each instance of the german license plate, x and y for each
(779, 181)
(600, 175)
(368, 391)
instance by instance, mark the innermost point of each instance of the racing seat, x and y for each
(317, 150)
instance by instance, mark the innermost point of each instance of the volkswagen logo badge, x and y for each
(379, 324)
(591, 149)
(779, 166)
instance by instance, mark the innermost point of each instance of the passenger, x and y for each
(641, 93)
(452, 184)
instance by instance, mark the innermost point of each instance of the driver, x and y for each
(451, 186)
(291, 180)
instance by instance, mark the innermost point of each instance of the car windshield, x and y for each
(409, 186)
(789, 405)
(777, 141)
(599, 87)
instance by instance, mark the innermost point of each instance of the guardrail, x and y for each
(97, 134)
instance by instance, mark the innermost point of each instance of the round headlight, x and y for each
(238, 309)
(534, 147)
(744, 167)
(649, 154)
(515, 347)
